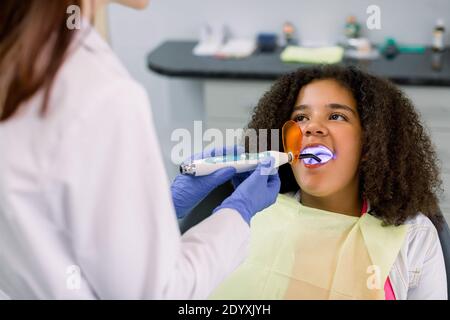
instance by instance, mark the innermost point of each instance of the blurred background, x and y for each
(411, 49)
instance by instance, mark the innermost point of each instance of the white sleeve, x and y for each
(120, 218)
(430, 281)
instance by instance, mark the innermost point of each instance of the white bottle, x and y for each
(438, 36)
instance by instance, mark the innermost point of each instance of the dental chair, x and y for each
(215, 198)
(444, 237)
(206, 207)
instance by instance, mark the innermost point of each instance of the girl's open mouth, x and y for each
(321, 152)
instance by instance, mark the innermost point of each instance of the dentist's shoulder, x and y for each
(93, 82)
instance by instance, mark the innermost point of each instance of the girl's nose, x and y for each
(315, 129)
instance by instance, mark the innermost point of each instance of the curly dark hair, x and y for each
(399, 172)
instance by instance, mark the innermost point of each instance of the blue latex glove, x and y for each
(188, 191)
(240, 177)
(255, 193)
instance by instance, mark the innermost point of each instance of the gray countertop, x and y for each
(175, 58)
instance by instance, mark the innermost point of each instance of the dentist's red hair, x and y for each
(25, 31)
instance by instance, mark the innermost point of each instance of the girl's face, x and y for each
(327, 114)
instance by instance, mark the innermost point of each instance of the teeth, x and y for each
(320, 151)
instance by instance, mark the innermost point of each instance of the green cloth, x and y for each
(325, 55)
(298, 252)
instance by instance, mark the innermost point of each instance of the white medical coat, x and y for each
(85, 206)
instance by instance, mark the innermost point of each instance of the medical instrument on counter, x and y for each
(290, 34)
(438, 36)
(352, 28)
(292, 142)
(267, 42)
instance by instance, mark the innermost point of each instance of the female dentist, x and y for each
(86, 211)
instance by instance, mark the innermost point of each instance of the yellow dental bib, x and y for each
(297, 252)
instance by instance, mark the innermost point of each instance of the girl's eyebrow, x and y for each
(334, 106)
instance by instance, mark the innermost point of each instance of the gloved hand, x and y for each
(188, 191)
(240, 177)
(256, 192)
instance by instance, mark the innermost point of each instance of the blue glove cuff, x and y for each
(238, 206)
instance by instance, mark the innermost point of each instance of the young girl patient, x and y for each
(361, 223)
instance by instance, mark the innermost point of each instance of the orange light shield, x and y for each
(292, 139)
